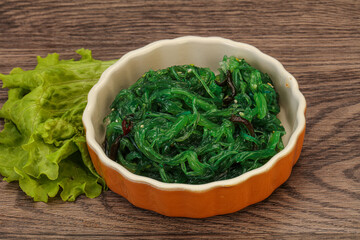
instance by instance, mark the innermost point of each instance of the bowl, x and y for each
(186, 200)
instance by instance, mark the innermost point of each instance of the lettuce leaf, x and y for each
(43, 143)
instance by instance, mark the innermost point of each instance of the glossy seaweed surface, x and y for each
(184, 124)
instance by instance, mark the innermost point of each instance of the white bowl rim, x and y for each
(94, 145)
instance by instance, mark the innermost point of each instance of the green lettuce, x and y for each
(42, 145)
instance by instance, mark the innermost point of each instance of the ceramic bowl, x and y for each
(185, 200)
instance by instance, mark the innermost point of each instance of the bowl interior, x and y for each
(203, 52)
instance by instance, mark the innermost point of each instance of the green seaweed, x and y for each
(184, 124)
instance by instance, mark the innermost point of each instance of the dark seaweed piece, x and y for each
(126, 127)
(247, 124)
(228, 99)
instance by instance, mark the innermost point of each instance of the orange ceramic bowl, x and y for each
(185, 200)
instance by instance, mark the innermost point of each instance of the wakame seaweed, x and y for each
(184, 124)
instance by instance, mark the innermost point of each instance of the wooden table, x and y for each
(317, 41)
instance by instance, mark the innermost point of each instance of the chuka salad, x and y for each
(184, 124)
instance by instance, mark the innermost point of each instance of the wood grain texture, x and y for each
(317, 41)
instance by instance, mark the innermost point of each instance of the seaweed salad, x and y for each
(184, 124)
